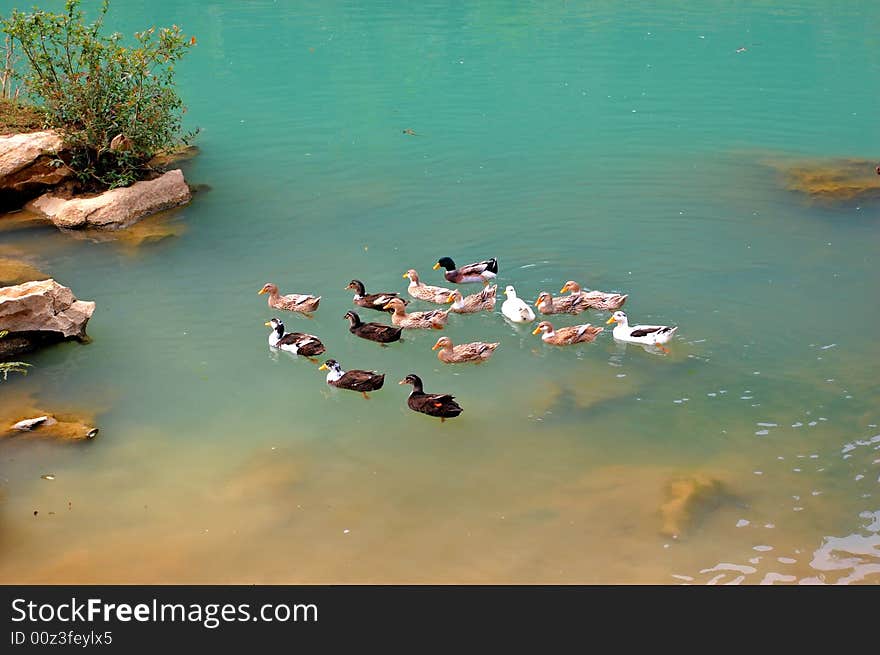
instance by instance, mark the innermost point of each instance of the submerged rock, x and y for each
(832, 180)
(687, 500)
(38, 312)
(15, 271)
(116, 208)
(29, 165)
(71, 427)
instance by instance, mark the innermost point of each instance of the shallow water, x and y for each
(631, 149)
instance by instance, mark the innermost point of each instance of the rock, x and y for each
(41, 311)
(28, 166)
(57, 426)
(116, 208)
(687, 499)
(18, 151)
(30, 423)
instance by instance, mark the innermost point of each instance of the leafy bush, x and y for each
(116, 105)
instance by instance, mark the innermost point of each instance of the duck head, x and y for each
(397, 305)
(353, 318)
(544, 326)
(412, 275)
(542, 298)
(618, 317)
(510, 292)
(276, 325)
(443, 342)
(414, 380)
(571, 285)
(445, 262)
(268, 288)
(357, 286)
(455, 297)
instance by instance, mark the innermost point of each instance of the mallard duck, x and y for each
(435, 319)
(652, 335)
(370, 300)
(477, 351)
(432, 404)
(292, 302)
(516, 309)
(479, 272)
(362, 381)
(566, 336)
(372, 331)
(422, 291)
(476, 302)
(297, 343)
(594, 299)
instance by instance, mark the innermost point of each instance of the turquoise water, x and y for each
(629, 148)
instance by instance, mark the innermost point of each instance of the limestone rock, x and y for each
(116, 208)
(18, 151)
(28, 166)
(41, 309)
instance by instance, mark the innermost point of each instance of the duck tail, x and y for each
(493, 266)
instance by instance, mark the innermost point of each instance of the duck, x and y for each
(363, 381)
(370, 300)
(422, 291)
(595, 299)
(292, 302)
(515, 308)
(298, 343)
(476, 302)
(478, 351)
(652, 335)
(478, 272)
(435, 319)
(572, 304)
(432, 404)
(566, 336)
(372, 331)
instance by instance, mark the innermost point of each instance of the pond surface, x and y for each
(633, 149)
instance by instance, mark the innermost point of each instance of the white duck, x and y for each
(651, 335)
(516, 309)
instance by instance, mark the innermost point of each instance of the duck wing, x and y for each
(361, 380)
(477, 268)
(434, 404)
(378, 332)
(645, 330)
(305, 344)
(378, 300)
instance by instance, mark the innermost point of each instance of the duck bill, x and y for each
(267, 324)
(435, 346)
(402, 382)
(436, 266)
(610, 321)
(388, 306)
(323, 367)
(262, 291)
(536, 330)
(405, 276)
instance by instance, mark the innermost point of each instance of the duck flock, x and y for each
(513, 308)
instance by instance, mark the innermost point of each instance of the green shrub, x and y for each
(116, 105)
